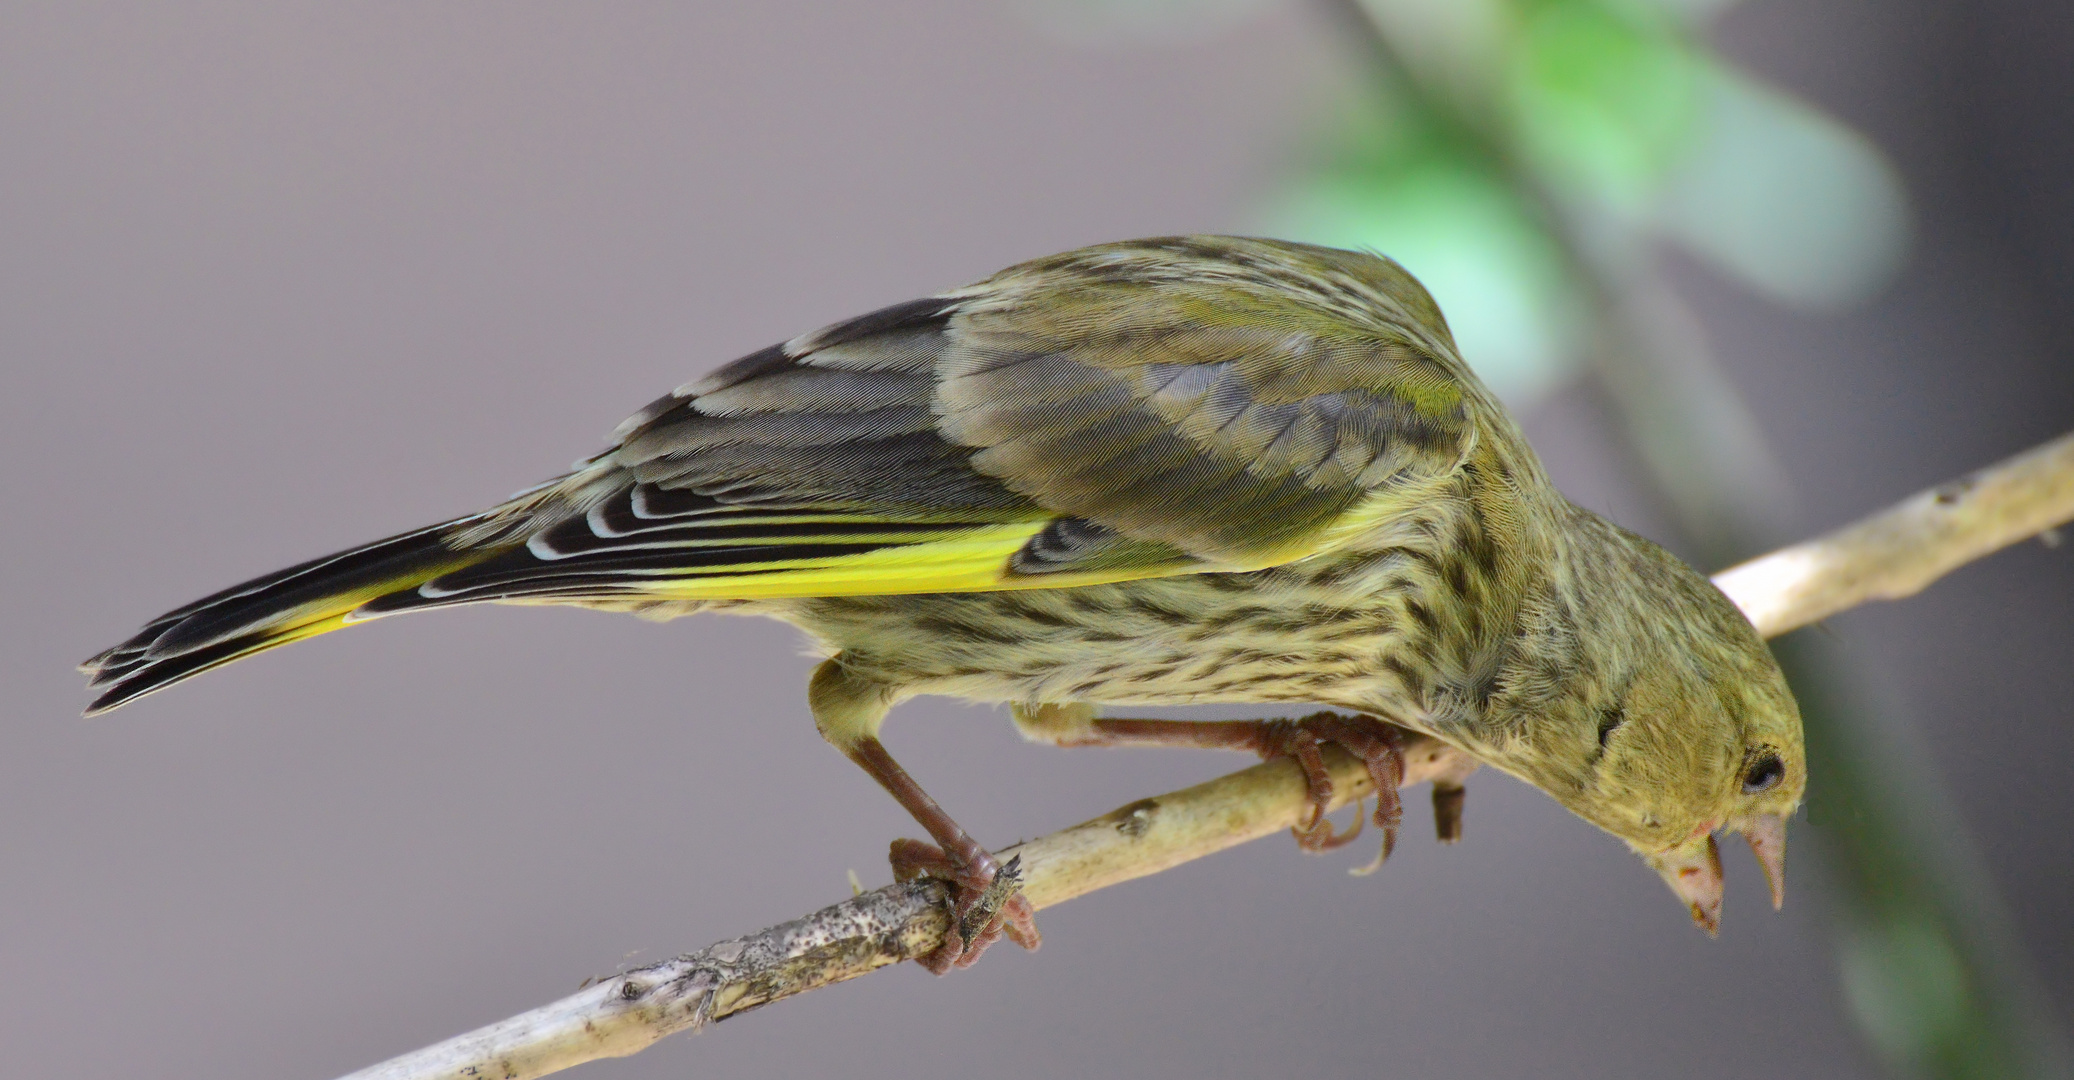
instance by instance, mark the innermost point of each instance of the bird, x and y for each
(1159, 472)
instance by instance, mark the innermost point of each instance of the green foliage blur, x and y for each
(1613, 103)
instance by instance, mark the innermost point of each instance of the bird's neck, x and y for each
(1582, 628)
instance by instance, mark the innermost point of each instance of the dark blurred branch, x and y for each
(623, 1015)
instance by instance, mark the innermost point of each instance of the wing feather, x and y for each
(1143, 409)
(1137, 410)
(1133, 410)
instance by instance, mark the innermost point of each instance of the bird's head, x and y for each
(1681, 727)
(1688, 753)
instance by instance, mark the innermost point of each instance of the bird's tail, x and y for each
(289, 605)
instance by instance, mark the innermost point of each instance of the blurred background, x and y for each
(275, 279)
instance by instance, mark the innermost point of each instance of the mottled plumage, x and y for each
(1168, 471)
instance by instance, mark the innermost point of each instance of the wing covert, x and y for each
(1231, 399)
(1135, 410)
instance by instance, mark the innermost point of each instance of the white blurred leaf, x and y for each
(1781, 197)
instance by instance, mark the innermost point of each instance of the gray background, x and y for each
(275, 279)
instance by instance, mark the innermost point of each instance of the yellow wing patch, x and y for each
(967, 560)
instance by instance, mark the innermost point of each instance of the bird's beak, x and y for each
(1693, 871)
(1767, 836)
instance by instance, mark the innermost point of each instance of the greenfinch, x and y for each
(1159, 472)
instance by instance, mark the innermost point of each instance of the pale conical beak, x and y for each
(1767, 836)
(1693, 871)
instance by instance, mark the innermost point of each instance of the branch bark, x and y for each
(1889, 555)
(1895, 553)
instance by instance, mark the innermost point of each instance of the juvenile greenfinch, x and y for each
(1160, 472)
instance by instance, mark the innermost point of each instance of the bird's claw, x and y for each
(1379, 746)
(987, 903)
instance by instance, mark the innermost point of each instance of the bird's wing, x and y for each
(1135, 410)
(1122, 412)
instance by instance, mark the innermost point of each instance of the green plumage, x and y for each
(1164, 471)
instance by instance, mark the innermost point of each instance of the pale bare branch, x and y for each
(899, 922)
(1889, 555)
(1898, 551)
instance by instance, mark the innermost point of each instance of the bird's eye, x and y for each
(1763, 774)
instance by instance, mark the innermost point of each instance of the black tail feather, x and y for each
(273, 610)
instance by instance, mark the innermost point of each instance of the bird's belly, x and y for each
(1268, 636)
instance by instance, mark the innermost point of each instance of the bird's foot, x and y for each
(987, 903)
(1379, 745)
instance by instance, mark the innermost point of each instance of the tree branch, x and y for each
(1895, 553)
(1889, 555)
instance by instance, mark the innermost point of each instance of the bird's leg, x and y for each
(1449, 794)
(848, 710)
(984, 913)
(1379, 745)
